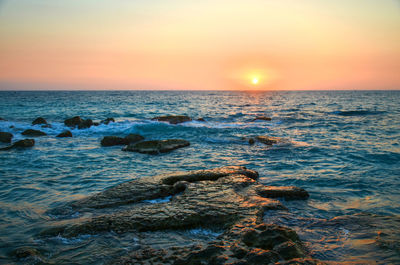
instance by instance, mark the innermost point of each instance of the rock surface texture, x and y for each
(20, 144)
(173, 119)
(31, 132)
(5, 137)
(156, 146)
(229, 198)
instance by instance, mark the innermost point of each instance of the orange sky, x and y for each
(123, 44)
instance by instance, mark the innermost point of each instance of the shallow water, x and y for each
(343, 147)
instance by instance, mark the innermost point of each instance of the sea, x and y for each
(343, 147)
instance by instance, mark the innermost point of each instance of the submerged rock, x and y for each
(39, 120)
(262, 118)
(78, 122)
(73, 122)
(107, 121)
(229, 198)
(65, 133)
(200, 119)
(20, 144)
(5, 137)
(31, 132)
(267, 140)
(116, 140)
(173, 119)
(25, 252)
(157, 146)
(1, 119)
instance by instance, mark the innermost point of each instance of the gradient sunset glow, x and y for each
(210, 45)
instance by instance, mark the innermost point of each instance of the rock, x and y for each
(25, 252)
(262, 118)
(78, 122)
(39, 120)
(173, 119)
(227, 198)
(5, 137)
(115, 140)
(31, 132)
(251, 141)
(20, 144)
(96, 123)
(268, 140)
(73, 122)
(133, 138)
(157, 146)
(1, 119)
(85, 124)
(200, 119)
(65, 133)
(107, 121)
(12, 127)
(46, 126)
(288, 192)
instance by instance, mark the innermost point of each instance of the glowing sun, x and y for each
(255, 80)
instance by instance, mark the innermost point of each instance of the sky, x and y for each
(200, 45)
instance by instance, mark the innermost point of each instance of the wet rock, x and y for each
(25, 252)
(156, 146)
(107, 121)
(85, 124)
(20, 144)
(173, 119)
(228, 198)
(73, 122)
(5, 137)
(96, 123)
(39, 120)
(133, 138)
(65, 134)
(262, 118)
(113, 140)
(267, 140)
(1, 119)
(288, 192)
(116, 140)
(31, 132)
(201, 119)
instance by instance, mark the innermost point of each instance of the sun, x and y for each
(255, 80)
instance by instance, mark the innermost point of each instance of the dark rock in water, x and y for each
(85, 124)
(229, 198)
(268, 140)
(200, 119)
(20, 144)
(173, 119)
(25, 252)
(73, 122)
(262, 118)
(65, 134)
(96, 123)
(39, 120)
(157, 146)
(46, 126)
(134, 138)
(107, 121)
(31, 132)
(251, 141)
(1, 119)
(115, 140)
(5, 137)
(289, 192)
(12, 127)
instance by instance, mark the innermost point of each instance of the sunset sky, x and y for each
(170, 44)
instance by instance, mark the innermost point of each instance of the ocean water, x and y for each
(342, 146)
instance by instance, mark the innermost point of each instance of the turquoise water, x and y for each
(343, 147)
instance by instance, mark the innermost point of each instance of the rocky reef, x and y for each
(229, 198)
(173, 119)
(156, 146)
(20, 144)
